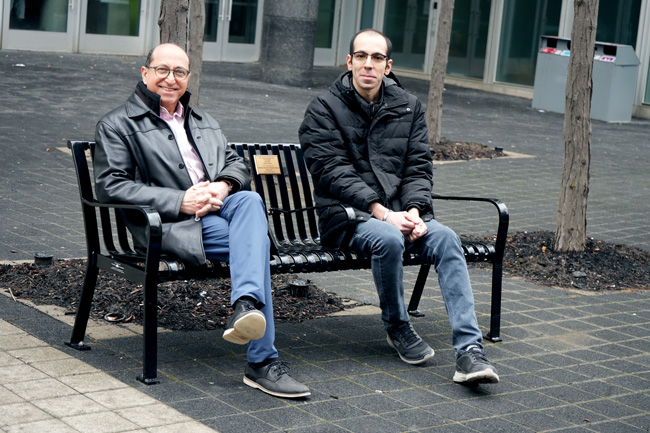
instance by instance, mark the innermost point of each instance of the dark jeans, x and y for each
(442, 247)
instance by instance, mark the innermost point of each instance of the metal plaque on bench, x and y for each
(267, 164)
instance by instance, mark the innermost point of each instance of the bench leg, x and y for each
(83, 311)
(150, 342)
(417, 291)
(494, 335)
(495, 310)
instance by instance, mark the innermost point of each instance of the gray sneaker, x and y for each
(274, 379)
(245, 324)
(408, 344)
(474, 367)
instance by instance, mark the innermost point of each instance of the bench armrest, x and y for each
(153, 227)
(504, 218)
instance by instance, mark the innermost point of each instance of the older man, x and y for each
(365, 143)
(158, 151)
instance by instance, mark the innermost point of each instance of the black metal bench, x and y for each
(280, 176)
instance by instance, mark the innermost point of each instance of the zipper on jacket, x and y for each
(384, 112)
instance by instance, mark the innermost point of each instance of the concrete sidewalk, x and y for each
(571, 361)
(46, 390)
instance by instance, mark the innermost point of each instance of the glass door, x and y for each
(327, 30)
(232, 30)
(44, 25)
(618, 21)
(469, 34)
(113, 26)
(523, 24)
(406, 23)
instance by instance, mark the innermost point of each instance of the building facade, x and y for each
(494, 43)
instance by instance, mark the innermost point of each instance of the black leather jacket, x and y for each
(356, 160)
(137, 161)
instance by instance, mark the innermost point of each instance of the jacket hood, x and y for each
(151, 101)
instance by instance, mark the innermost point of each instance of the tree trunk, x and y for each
(182, 22)
(571, 232)
(440, 59)
(195, 48)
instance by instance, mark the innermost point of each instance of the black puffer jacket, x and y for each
(356, 161)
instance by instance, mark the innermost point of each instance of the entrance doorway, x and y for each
(469, 34)
(105, 26)
(232, 30)
(406, 23)
(47, 25)
(327, 32)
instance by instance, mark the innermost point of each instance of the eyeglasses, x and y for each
(163, 72)
(362, 56)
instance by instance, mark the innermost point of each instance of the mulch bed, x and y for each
(601, 266)
(182, 305)
(449, 150)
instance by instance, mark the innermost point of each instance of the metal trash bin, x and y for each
(614, 79)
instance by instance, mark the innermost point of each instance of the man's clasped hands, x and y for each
(205, 197)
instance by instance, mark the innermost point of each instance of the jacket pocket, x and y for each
(184, 239)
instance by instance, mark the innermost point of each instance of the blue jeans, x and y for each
(442, 248)
(238, 234)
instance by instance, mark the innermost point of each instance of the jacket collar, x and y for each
(144, 100)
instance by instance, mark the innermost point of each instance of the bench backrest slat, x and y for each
(288, 195)
(283, 190)
(305, 178)
(276, 193)
(78, 149)
(107, 230)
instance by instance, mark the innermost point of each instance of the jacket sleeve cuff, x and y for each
(236, 185)
(370, 200)
(420, 206)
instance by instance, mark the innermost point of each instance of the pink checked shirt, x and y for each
(190, 157)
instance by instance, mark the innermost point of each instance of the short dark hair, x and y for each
(389, 44)
(149, 58)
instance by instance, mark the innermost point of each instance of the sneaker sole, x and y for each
(485, 376)
(411, 361)
(256, 385)
(250, 327)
